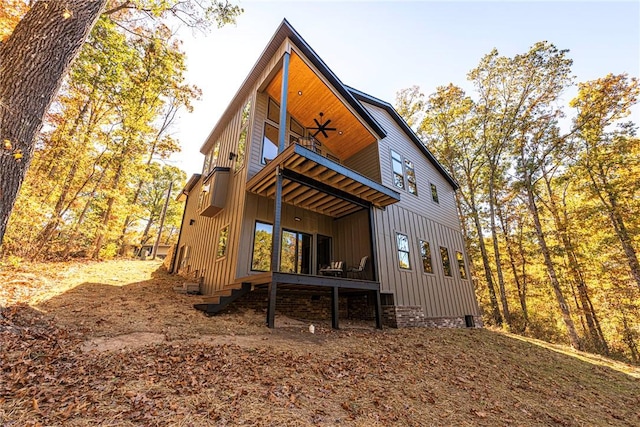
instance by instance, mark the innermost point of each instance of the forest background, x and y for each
(549, 209)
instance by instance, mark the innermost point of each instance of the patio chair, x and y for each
(359, 270)
(334, 269)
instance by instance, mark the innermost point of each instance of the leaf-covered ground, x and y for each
(111, 344)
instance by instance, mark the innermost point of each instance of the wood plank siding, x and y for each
(201, 233)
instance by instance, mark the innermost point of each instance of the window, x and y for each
(261, 259)
(211, 159)
(446, 263)
(425, 254)
(296, 127)
(222, 242)
(269, 143)
(273, 111)
(398, 173)
(296, 252)
(434, 193)
(242, 139)
(404, 173)
(411, 177)
(461, 266)
(402, 241)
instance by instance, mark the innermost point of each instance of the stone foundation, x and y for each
(316, 305)
(311, 305)
(413, 316)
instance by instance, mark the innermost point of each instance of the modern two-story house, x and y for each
(316, 199)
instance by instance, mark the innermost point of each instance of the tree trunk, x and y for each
(33, 63)
(106, 216)
(574, 267)
(512, 262)
(625, 239)
(496, 252)
(551, 271)
(495, 311)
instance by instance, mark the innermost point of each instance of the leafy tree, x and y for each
(31, 77)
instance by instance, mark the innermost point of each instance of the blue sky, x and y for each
(381, 47)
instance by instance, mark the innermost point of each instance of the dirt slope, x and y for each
(111, 344)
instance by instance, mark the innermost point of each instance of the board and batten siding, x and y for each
(352, 241)
(420, 218)
(202, 236)
(366, 162)
(445, 210)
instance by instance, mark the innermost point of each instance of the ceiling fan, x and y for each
(321, 128)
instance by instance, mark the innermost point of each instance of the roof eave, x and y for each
(361, 96)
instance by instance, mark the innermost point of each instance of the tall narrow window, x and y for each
(398, 172)
(461, 266)
(269, 143)
(242, 139)
(425, 254)
(434, 193)
(411, 177)
(296, 131)
(446, 262)
(222, 242)
(402, 242)
(273, 111)
(261, 260)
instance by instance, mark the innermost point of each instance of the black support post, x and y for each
(275, 249)
(378, 309)
(271, 308)
(335, 306)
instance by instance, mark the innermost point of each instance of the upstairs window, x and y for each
(446, 262)
(425, 254)
(411, 177)
(404, 173)
(211, 159)
(269, 144)
(402, 242)
(273, 111)
(242, 139)
(461, 266)
(398, 172)
(434, 193)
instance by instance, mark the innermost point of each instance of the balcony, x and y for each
(319, 184)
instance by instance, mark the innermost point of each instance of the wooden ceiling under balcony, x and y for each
(336, 179)
(308, 95)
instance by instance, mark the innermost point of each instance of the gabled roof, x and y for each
(351, 96)
(283, 32)
(361, 96)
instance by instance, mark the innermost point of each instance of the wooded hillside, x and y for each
(548, 195)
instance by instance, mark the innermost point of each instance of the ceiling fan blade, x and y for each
(315, 133)
(317, 123)
(330, 129)
(324, 133)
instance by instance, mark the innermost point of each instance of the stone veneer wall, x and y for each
(413, 316)
(316, 305)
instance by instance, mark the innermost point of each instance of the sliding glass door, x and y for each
(296, 252)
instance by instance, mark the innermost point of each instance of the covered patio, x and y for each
(303, 178)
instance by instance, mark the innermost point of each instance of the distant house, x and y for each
(317, 199)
